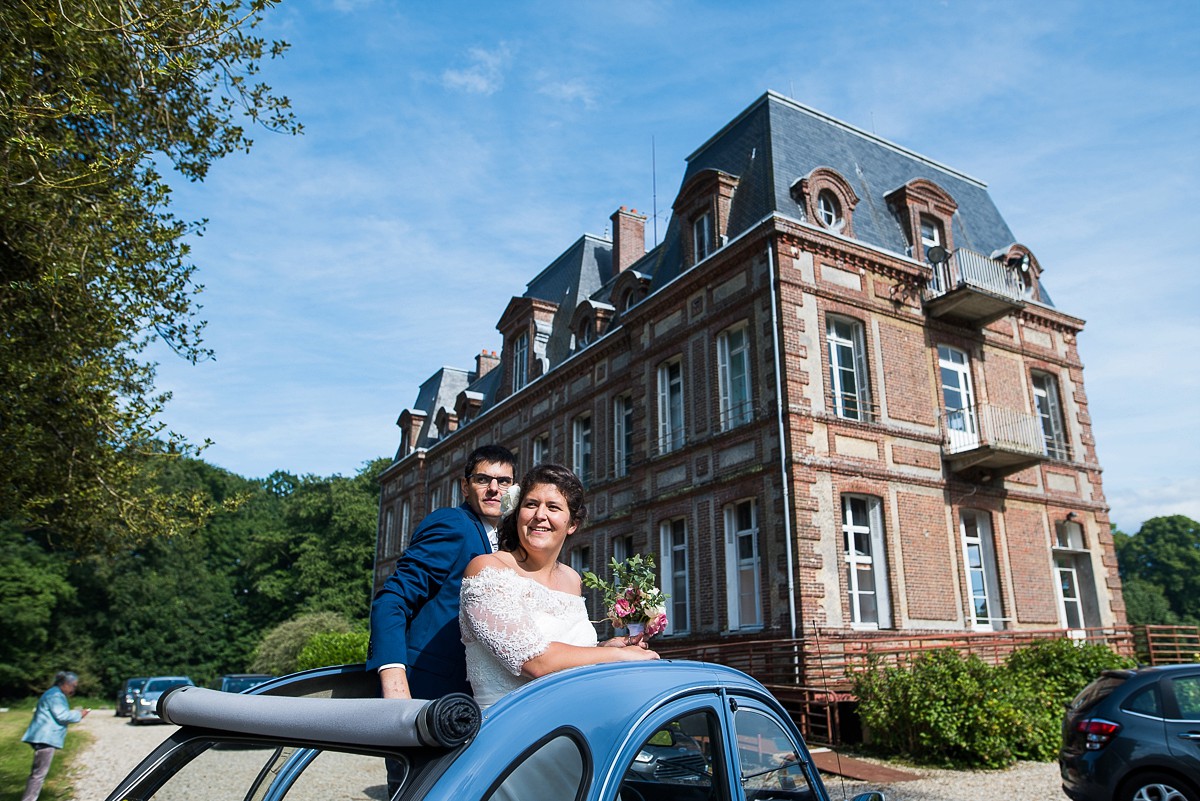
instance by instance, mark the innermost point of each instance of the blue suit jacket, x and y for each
(414, 617)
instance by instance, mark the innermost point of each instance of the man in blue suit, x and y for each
(415, 642)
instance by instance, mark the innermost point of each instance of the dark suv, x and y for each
(1134, 735)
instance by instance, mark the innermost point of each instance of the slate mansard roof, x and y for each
(767, 148)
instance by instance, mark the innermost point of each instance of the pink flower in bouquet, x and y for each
(631, 593)
(656, 624)
(622, 608)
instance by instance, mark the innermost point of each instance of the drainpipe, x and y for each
(783, 453)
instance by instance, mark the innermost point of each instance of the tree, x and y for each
(94, 94)
(279, 652)
(1160, 566)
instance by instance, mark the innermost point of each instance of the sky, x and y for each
(452, 150)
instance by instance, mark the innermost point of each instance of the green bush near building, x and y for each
(958, 711)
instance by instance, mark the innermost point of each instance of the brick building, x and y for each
(837, 397)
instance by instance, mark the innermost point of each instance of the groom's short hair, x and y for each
(495, 454)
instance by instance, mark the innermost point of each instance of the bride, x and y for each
(522, 613)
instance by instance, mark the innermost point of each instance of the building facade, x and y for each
(836, 398)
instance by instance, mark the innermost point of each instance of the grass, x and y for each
(16, 757)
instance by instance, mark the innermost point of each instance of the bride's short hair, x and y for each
(557, 476)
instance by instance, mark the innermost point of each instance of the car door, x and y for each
(1183, 726)
(770, 760)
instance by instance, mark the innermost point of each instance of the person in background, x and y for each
(48, 730)
(415, 644)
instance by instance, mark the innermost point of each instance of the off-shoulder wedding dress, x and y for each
(506, 620)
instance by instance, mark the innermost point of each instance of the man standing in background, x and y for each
(48, 730)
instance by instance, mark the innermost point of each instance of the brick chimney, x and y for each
(485, 362)
(629, 238)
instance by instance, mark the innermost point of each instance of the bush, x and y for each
(957, 711)
(333, 648)
(279, 651)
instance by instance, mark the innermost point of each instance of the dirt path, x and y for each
(117, 747)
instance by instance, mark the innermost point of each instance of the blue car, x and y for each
(649, 731)
(1134, 735)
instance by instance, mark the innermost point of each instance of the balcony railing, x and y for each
(992, 438)
(972, 288)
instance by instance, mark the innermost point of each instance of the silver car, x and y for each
(647, 731)
(145, 705)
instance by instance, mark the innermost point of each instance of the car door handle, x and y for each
(1189, 735)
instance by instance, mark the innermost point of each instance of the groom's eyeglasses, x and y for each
(483, 480)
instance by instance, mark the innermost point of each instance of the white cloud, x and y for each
(485, 73)
(1134, 505)
(576, 91)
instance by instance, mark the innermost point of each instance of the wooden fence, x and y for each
(1167, 645)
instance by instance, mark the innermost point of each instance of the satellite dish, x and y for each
(937, 254)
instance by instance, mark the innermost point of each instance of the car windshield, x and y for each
(162, 685)
(136, 684)
(237, 684)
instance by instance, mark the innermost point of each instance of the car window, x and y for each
(1187, 694)
(1144, 701)
(678, 761)
(1096, 692)
(553, 771)
(769, 758)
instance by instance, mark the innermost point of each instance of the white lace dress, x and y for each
(506, 620)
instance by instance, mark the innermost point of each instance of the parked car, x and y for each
(240, 682)
(649, 731)
(145, 706)
(127, 696)
(1134, 735)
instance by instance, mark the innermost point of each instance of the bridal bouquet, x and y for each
(633, 600)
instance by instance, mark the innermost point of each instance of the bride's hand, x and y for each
(639, 640)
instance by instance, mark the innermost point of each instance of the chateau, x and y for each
(836, 398)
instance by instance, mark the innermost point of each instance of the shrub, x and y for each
(333, 648)
(947, 709)
(280, 648)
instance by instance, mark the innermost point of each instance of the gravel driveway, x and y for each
(118, 746)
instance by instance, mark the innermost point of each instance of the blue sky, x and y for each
(452, 150)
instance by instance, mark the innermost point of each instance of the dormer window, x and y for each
(520, 361)
(702, 236)
(826, 198)
(931, 234)
(829, 211)
(585, 332)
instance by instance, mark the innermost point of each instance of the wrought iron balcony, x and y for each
(971, 289)
(984, 440)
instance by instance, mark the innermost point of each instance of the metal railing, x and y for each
(966, 268)
(1167, 645)
(992, 426)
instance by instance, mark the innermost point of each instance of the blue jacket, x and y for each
(50, 719)
(414, 617)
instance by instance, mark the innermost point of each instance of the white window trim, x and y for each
(405, 515)
(670, 564)
(622, 431)
(582, 451)
(1047, 403)
(702, 236)
(671, 435)
(520, 350)
(985, 541)
(732, 415)
(857, 344)
(733, 568)
(878, 561)
(1064, 565)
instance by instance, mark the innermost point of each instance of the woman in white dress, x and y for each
(522, 613)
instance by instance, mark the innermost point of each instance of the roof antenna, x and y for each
(654, 185)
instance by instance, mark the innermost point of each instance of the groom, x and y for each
(415, 642)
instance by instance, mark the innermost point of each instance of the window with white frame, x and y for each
(583, 448)
(829, 210)
(674, 549)
(866, 562)
(670, 406)
(622, 547)
(520, 361)
(733, 376)
(983, 584)
(581, 559)
(435, 499)
(389, 534)
(622, 434)
(849, 380)
(743, 569)
(541, 448)
(1049, 410)
(1070, 601)
(405, 522)
(702, 236)
(931, 234)
(1068, 535)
